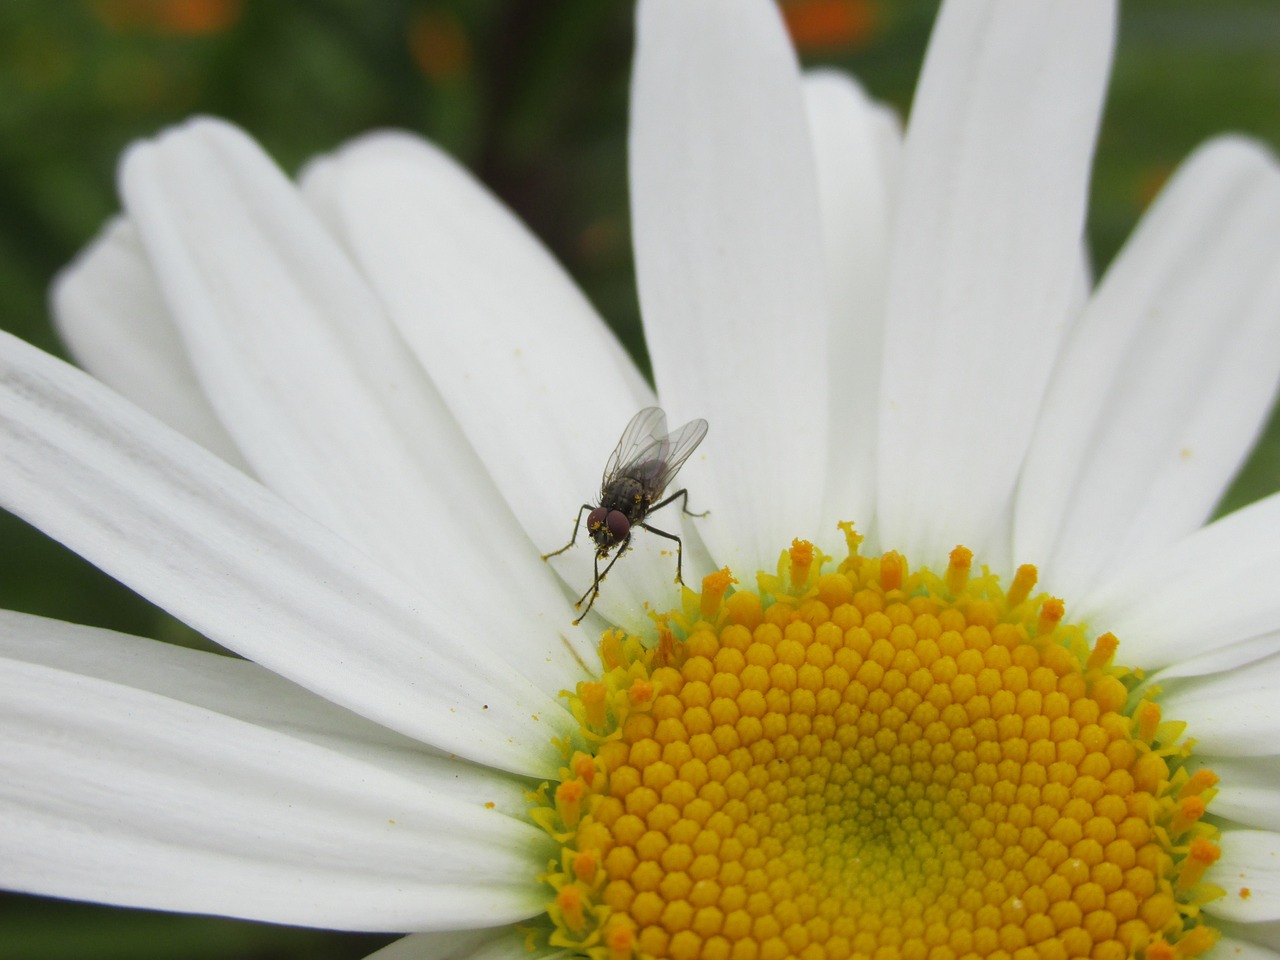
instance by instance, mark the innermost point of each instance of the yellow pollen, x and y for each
(893, 569)
(1024, 580)
(1200, 781)
(802, 555)
(1051, 614)
(1200, 855)
(1148, 715)
(870, 763)
(714, 588)
(958, 569)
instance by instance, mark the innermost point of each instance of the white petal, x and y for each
(224, 555)
(856, 145)
(111, 314)
(112, 794)
(728, 248)
(245, 691)
(1166, 381)
(319, 390)
(1250, 858)
(1249, 791)
(985, 260)
(496, 944)
(1219, 659)
(1232, 714)
(1205, 593)
(1232, 948)
(540, 384)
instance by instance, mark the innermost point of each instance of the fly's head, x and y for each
(608, 529)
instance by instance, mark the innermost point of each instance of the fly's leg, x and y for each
(679, 547)
(594, 589)
(684, 506)
(576, 524)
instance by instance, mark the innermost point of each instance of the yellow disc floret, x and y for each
(874, 762)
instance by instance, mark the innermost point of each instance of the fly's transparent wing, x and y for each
(675, 450)
(642, 438)
(649, 454)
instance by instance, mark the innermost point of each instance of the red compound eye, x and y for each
(596, 519)
(619, 525)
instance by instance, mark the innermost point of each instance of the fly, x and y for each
(642, 465)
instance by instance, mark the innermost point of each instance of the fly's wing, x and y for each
(675, 451)
(642, 439)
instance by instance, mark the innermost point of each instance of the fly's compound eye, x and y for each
(596, 519)
(619, 525)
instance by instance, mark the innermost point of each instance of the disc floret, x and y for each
(874, 761)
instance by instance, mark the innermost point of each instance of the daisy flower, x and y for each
(960, 671)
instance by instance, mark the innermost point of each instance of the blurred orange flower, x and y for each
(188, 17)
(829, 24)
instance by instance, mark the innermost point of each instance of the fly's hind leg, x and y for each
(684, 507)
(577, 523)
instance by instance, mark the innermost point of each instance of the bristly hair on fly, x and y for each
(641, 467)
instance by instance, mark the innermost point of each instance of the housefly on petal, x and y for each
(639, 470)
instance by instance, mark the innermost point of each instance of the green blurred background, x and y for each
(532, 95)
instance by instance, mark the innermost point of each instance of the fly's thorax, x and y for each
(627, 495)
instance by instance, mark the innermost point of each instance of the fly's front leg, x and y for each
(684, 506)
(576, 524)
(594, 589)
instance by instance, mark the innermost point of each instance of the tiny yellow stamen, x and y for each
(1200, 856)
(570, 903)
(620, 941)
(893, 570)
(1104, 651)
(585, 865)
(569, 802)
(1189, 811)
(958, 567)
(1051, 614)
(714, 587)
(1200, 781)
(584, 767)
(1196, 941)
(1024, 580)
(1148, 716)
(801, 560)
(592, 698)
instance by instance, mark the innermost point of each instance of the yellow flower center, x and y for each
(878, 763)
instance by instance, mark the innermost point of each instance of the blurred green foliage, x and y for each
(532, 95)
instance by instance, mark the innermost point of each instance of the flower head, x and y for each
(1019, 706)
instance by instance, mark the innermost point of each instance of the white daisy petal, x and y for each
(728, 248)
(1251, 859)
(221, 553)
(192, 811)
(112, 316)
(1210, 591)
(244, 691)
(1247, 791)
(855, 145)
(499, 944)
(1232, 948)
(1223, 658)
(315, 384)
(541, 386)
(1231, 714)
(1152, 410)
(446, 945)
(984, 261)
(491, 315)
